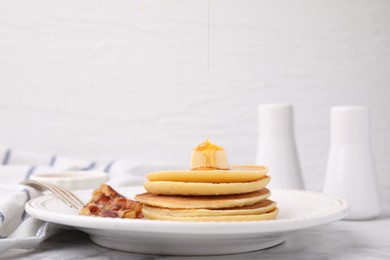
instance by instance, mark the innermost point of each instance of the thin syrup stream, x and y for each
(208, 44)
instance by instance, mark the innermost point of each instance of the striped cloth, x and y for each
(20, 231)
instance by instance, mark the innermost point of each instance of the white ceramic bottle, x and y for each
(276, 146)
(350, 171)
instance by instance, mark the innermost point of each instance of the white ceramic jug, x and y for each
(276, 146)
(350, 172)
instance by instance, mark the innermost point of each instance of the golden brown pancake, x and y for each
(201, 188)
(235, 174)
(202, 202)
(150, 214)
(254, 209)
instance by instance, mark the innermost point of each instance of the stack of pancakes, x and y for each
(237, 194)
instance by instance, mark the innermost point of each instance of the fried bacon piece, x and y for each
(106, 202)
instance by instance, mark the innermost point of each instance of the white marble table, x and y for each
(340, 240)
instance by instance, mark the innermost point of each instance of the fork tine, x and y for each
(75, 198)
(76, 201)
(66, 196)
(59, 194)
(57, 190)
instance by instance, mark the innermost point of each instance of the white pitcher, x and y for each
(350, 172)
(276, 146)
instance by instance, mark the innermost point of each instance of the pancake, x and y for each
(201, 188)
(235, 174)
(265, 216)
(255, 209)
(202, 202)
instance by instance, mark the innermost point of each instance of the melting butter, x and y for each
(209, 156)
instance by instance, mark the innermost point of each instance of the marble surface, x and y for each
(355, 240)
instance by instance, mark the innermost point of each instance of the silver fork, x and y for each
(63, 194)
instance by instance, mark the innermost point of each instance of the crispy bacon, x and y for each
(108, 203)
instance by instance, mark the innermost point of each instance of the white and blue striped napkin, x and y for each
(20, 231)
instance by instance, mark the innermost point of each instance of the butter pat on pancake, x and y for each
(208, 155)
(255, 209)
(212, 176)
(201, 188)
(203, 202)
(265, 216)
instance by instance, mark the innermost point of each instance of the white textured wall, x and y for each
(105, 79)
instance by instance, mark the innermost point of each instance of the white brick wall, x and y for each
(103, 79)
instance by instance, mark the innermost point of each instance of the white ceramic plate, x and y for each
(298, 209)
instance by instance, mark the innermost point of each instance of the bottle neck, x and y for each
(276, 121)
(350, 125)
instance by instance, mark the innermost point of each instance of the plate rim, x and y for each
(182, 227)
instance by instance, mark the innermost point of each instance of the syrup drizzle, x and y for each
(208, 45)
